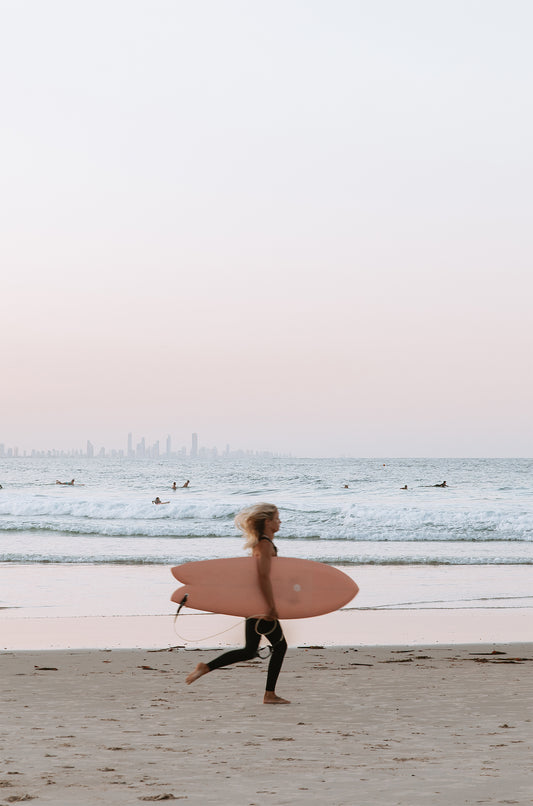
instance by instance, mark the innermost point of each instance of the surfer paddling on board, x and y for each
(259, 524)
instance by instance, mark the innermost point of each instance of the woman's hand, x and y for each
(272, 615)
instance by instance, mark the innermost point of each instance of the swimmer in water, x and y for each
(157, 500)
(404, 488)
(186, 484)
(66, 483)
(174, 487)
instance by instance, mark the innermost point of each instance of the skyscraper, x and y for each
(194, 446)
(130, 445)
(169, 445)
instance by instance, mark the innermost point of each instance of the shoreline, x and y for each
(67, 606)
(345, 628)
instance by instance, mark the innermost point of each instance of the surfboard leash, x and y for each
(206, 637)
(268, 648)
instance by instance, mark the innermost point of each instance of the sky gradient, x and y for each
(297, 226)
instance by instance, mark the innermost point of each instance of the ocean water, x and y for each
(483, 517)
(101, 548)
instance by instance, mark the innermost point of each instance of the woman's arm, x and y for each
(264, 560)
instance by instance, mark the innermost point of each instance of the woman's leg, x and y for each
(279, 648)
(248, 652)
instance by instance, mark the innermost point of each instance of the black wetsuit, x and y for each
(254, 629)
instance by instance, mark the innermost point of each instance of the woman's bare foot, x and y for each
(200, 670)
(271, 698)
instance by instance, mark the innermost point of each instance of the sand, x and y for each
(392, 725)
(345, 627)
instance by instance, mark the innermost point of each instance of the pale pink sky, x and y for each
(295, 226)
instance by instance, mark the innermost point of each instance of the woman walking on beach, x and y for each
(259, 524)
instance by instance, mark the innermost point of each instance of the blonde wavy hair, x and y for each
(251, 521)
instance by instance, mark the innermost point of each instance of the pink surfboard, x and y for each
(302, 588)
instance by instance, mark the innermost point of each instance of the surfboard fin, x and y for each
(183, 601)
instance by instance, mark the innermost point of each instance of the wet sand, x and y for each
(343, 628)
(368, 725)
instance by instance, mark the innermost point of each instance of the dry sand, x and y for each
(393, 725)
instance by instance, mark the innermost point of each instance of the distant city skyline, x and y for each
(140, 450)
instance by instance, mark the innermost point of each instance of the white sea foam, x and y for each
(201, 518)
(24, 506)
(484, 516)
